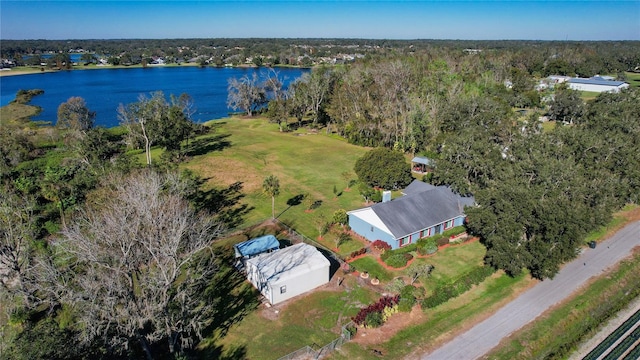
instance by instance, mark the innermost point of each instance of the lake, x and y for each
(104, 89)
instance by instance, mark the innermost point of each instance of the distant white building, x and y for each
(597, 84)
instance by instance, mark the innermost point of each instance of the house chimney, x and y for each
(386, 196)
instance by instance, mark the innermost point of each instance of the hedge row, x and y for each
(443, 293)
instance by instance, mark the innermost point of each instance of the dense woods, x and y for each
(85, 228)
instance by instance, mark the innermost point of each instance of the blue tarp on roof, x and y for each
(256, 246)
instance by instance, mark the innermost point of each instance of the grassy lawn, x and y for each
(314, 319)
(588, 95)
(442, 321)
(633, 79)
(248, 150)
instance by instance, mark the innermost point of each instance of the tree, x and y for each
(136, 266)
(271, 186)
(246, 94)
(418, 269)
(340, 217)
(567, 106)
(383, 168)
(75, 115)
(156, 121)
(17, 231)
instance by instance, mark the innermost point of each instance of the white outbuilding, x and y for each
(288, 272)
(597, 84)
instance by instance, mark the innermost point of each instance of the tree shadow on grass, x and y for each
(235, 299)
(224, 203)
(294, 201)
(205, 145)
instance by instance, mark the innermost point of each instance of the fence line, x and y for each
(308, 352)
(301, 237)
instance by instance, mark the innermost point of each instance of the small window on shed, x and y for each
(283, 289)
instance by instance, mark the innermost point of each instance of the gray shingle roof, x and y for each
(412, 213)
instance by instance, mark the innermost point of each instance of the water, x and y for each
(104, 89)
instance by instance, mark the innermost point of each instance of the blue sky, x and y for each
(470, 20)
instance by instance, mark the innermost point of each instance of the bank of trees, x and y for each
(539, 193)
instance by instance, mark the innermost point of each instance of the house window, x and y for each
(372, 229)
(283, 289)
(404, 241)
(448, 224)
(425, 233)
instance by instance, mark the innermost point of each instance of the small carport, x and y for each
(421, 165)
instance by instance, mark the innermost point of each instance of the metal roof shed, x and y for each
(256, 246)
(288, 272)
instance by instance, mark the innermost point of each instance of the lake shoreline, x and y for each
(25, 70)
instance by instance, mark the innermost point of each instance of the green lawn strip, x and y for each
(602, 231)
(588, 95)
(452, 262)
(442, 320)
(560, 330)
(633, 79)
(315, 319)
(371, 265)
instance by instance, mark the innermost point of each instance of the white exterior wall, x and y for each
(299, 268)
(596, 88)
(298, 285)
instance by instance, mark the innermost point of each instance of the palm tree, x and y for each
(271, 186)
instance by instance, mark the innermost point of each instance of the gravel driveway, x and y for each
(487, 334)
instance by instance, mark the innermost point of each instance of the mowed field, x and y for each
(306, 164)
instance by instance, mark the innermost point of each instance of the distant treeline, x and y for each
(570, 56)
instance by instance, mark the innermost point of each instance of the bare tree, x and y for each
(246, 94)
(16, 234)
(75, 115)
(139, 261)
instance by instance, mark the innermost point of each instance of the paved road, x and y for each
(487, 334)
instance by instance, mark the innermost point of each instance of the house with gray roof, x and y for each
(425, 210)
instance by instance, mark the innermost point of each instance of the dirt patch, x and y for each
(395, 323)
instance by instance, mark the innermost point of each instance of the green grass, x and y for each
(315, 319)
(251, 149)
(633, 79)
(454, 261)
(371, 265)
(588, 95)
(442, 320)
(603, 230)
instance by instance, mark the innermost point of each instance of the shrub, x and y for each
(384, 307)
(373, 320)
(358, 253)
(454, 231)
(406, 304)
(443, 293)
(397, 260)
(440, 240)
(340, 217)
(381, 246)
(428, 246)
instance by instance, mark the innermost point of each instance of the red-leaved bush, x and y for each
(358, 253)
(381, 245)
(379, 306)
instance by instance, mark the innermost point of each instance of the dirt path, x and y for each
(487, 334)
